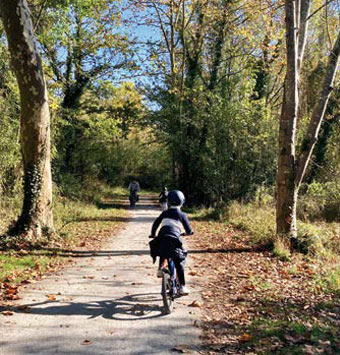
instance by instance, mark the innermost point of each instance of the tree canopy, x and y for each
(185, 93)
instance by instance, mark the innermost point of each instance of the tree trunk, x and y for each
(286, 191)
(318, 112)
(36, 216)
(303, 27)
(291, 169)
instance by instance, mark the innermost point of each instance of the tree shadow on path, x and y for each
(90, 253)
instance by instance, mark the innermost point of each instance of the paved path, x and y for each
(109, 303)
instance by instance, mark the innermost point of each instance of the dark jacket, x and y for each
(163, 196)
(172, 221)
(168, 243)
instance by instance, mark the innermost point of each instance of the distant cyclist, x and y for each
(169, 240)
(134, 188)
(163, 198)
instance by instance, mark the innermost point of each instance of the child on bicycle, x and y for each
(163, 198)
(134, 188)
(169, 241)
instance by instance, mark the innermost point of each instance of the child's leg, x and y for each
(180, 271)
(162, 262)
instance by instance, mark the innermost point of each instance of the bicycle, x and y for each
(170, 286)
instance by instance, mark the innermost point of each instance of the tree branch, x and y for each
(303, 27)
(43, 5)
(162, 26)
(319, 8)
(318, 113)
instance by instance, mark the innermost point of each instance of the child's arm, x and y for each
(156, 224)
(186, 224)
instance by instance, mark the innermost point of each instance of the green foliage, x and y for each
(329, 281)
(292, 336)
(319, 240)
(321, 201)
(226, 149)
(207, 123)
(10, 167)
(242, 148)
(21, 266)
(141, 156)
(256, 219)
(106, 139)
(281, 251)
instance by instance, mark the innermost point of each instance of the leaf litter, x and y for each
(253, 303)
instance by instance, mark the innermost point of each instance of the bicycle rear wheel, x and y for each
(168, 300)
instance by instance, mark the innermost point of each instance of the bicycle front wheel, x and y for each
(168, 300)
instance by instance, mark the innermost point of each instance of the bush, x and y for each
(281, 250)
(319, 239)
(321, 201)
(259, 222)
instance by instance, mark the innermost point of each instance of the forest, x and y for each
(234, 102)
(184, 94)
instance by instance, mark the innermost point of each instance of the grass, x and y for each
(329, 281)
(257, 303)
(86, 222)
(281, 250)
(16, 268)
(261, 284)
(319, 239)
(289, 316)
(255, 219)
(294, 337)
(9, 210)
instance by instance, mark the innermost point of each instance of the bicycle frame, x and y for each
(170, 286)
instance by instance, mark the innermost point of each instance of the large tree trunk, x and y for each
(36, 213)
(286, 191)
(292, 168)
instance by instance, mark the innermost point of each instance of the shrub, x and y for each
(321, 201)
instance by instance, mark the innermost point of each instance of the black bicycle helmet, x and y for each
(176, 198)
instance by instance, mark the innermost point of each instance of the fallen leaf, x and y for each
(51, 297)
(195, 303)
(87, 342)
(192, 273)
(181, 348)
(7, 313)
(25, 282)
(24, 308)
(245, 337)
(293, 340)
(12, 290)
(12, 297)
